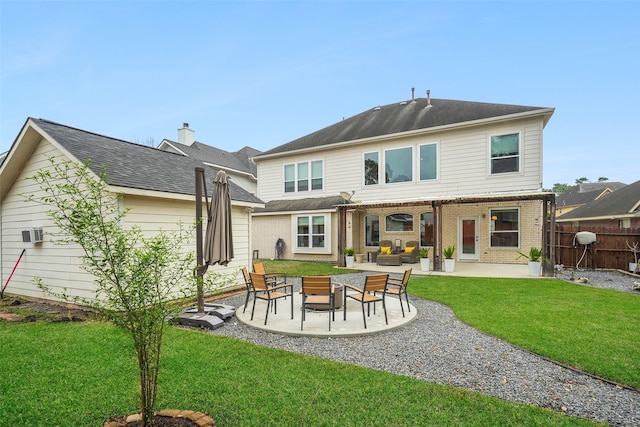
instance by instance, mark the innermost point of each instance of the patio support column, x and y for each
(437, 241)
(548, 235)
(342, 235)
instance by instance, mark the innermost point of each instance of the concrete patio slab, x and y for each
(317, 322)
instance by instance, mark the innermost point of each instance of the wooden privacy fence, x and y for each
(610, 251)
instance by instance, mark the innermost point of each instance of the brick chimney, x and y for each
(186, 136)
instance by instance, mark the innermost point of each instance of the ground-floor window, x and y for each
(312, 233)
(399, 222)
(426, 229)
(505, 228)
(372, 230)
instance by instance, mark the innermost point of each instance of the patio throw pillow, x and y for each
(385, 250)
(408, 249)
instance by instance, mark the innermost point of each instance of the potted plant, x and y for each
(535, 260)
(424, 259)
(349, 256)
(449, 262)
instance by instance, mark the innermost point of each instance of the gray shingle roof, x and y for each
(238, 160)
(402, 117)
(132, 165)
(620, 202)
(319, 203)
(586, 192)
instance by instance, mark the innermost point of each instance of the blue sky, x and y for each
(263, 73)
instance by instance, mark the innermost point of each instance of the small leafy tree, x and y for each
(138, 278)
(561, 188)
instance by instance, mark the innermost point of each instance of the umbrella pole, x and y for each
(199, 252)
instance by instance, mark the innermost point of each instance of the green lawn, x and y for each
(78, 374)
(299, 269)
(596, 330)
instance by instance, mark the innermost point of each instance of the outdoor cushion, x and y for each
(409, 249)
(386, 250)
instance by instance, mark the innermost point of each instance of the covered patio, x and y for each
(462, 269)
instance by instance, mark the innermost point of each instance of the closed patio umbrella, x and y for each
(218, 239)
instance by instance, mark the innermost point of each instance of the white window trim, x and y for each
(327, 233)
(505, 208)
(437, 178)
(364, 181)
(520, 154)
(310, 179)
(384, 165)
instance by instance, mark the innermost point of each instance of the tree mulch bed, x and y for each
(167, 418)
(15, 309)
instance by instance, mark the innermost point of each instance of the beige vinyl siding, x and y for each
(463, 166)
(59, 266)
(155, 214)
(243, 181)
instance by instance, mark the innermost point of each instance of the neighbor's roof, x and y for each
(622, 203)
(238, 161)
(406, 116)
(137, 166)
(586, 192)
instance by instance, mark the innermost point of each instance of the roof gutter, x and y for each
(228, 169)
(601, 217)
(130, 191)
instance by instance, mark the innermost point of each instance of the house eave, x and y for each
(130, 191)
(293, 212)
(172, 145)
(231, 170)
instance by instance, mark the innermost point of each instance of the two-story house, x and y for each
(437, 171)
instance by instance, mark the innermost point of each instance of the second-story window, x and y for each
(505, 153)
(398, 165)
(303, 176)
(428, 161)
(371, 161)
(289, 178)
(316, 175)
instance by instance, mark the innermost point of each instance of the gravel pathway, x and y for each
(439, 348)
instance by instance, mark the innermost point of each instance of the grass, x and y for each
(299, 269)
(67, 374)
(592, 329)
(595, 330)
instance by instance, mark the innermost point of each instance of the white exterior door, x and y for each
(468, 238)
